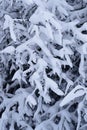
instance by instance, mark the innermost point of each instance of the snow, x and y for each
(31, 100)
(9, 23)
(49, 31)
(19, 76)
(76, 92)
(29, 2)
(9, 50)
(54, 87)
(43, 71)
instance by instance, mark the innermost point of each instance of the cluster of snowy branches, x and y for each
(43, 64)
